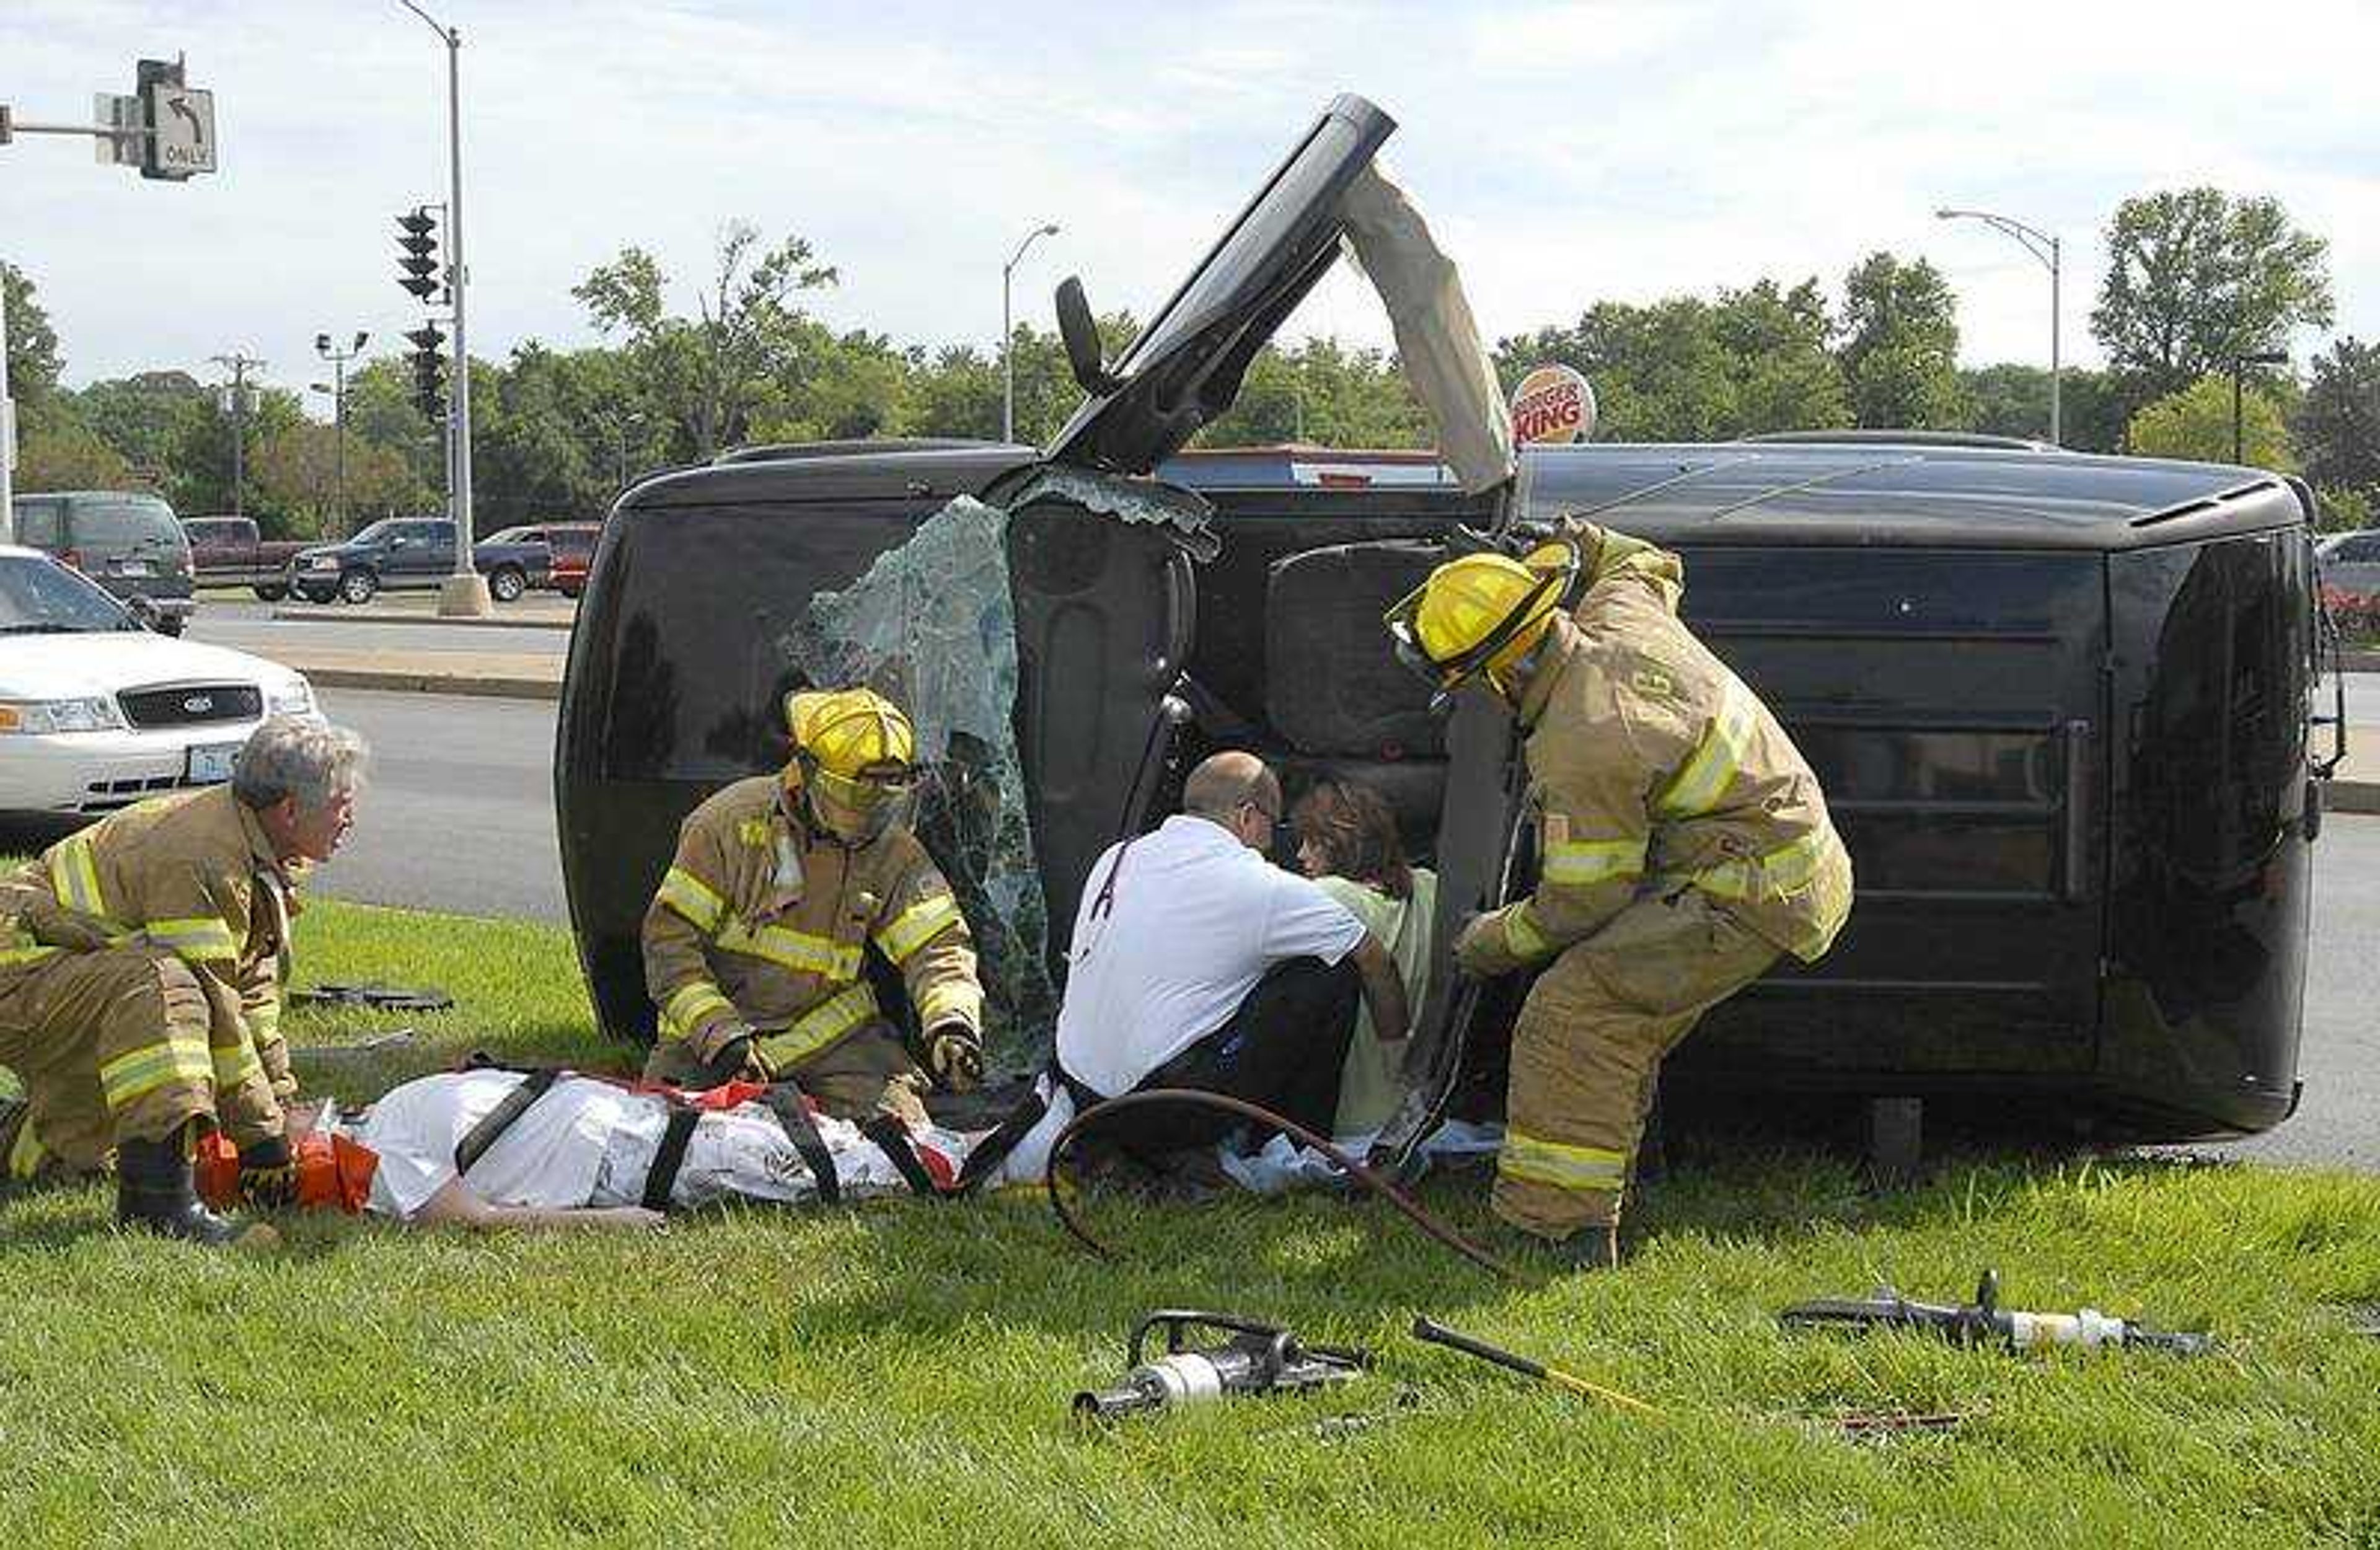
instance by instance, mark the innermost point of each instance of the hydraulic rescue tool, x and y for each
(1436, 1333)
(1984, 1321)
(1253, 1359)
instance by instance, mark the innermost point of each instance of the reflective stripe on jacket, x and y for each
(1651, 765)
(759, 923)
(194, 873)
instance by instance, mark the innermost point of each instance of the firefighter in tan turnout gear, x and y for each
(756, 939)
(1683, 845)
(141, 961)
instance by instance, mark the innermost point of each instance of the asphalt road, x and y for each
(459, 813)
(250, 627)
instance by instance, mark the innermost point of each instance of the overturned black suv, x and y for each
(2060, 704)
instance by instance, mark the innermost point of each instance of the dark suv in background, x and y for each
(127, 542)
(402, 553)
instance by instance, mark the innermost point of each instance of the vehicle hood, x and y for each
(65, 667)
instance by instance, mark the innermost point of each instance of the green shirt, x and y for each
(1370, 1087)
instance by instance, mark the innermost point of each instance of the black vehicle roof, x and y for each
(832, 471)
(1913, 492)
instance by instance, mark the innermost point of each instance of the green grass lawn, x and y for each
(899, 1375)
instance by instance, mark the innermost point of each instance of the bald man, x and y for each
(1196, 963)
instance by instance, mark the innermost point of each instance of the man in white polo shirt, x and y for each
(1196, 963)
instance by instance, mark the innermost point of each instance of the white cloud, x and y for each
(1568, 152)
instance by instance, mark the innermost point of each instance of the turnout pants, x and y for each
(111, 1045)
(1588, 1048)
(866, 1073)
(1284, 1048)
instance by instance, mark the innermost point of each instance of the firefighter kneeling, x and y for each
(141, 969)
(754, 940)
(1683, 844)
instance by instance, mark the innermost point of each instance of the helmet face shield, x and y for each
(860, 807)
(1486, 632)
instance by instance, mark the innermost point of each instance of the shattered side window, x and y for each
(931, 626)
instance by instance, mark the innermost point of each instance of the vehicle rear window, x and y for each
(124, 524)
(37, 523)
(576, 544)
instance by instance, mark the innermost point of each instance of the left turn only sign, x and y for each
(182, 122)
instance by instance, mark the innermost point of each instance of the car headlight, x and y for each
(41, 716)
(293, 698)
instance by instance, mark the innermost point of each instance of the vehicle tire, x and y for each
(271, 594)
(570, 588)
(317, 595)
(506, 583)
(357, 587)
(172, 624)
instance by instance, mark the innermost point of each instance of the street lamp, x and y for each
(338, 392)
(466, 590)
(2044, 247)
(1007, 335)
(2239, 363)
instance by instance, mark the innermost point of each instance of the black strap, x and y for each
(784, 1100)
(670, 1156)
(493, 1125)
(891, 1138)
(993, 1149)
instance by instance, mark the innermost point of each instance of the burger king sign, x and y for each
(1553, 404)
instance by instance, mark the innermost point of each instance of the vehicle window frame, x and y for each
(68, 584)
(161, 525)
(50, 506)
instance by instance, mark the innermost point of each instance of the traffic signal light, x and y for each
(420, 260)
(429, 371)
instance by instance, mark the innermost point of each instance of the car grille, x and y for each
(107, 797)
(189, 705)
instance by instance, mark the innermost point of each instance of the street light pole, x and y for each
(2043, 247)
(2239, 363)
(338, 360)
(465, 591)
(1008, 334)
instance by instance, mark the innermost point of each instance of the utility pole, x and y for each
(7, 422)
(238, 366)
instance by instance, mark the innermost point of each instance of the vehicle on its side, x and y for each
(127, 541)
(229, 551)
(2060, 704)
(97, 712)
(401, 553)
(572, 545)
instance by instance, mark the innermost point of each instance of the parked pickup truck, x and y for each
(227, 551)
(412, 552)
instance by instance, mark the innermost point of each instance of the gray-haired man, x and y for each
(141, 969)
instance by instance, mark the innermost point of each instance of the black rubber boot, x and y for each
(154, 1190)
(1591, 1248)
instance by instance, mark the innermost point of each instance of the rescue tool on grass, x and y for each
(1986, 1322)
(1436, 1333)
(1253, 1358)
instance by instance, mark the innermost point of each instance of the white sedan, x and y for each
(97, 713)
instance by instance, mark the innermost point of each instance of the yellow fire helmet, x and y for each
(856, 751)
(1480, 613)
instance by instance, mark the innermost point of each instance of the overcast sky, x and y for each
(1566, 152)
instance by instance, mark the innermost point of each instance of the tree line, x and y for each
(2196, 280)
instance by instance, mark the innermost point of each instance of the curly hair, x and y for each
(1353, 828)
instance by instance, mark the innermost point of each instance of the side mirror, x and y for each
(1081, 333)
(400, 543)
(144, 612)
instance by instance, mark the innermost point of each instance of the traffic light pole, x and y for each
(465, 591)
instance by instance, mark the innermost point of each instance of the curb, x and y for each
(328, 614)
(2358, 659)
(2352, 796)
(495, 687)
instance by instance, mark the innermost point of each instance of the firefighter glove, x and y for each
(268, 1175)
(1481, 950)
(955, 1053)
(739, 1057)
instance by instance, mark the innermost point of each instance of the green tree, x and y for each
(2342, 509)
(709, 373)
(2196, 423)
(199, 466)
(58, 450)
(1900, 346)
(2338, 421)
(2196, 278)
(298, 478)
(143, 417)
(2008, 399)
(33, 364)
(1782, 377)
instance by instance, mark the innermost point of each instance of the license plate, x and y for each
(211, 762)
(133, 567)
